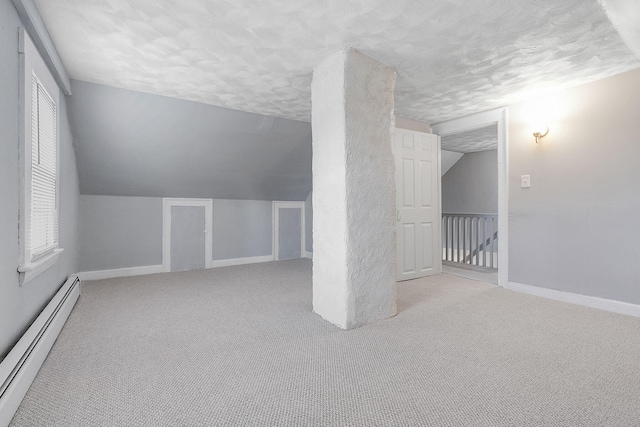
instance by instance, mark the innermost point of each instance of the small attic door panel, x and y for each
(187, 234)
(288, 227)
(187, 238)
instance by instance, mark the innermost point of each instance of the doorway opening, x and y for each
(470, 235)
(474, 197)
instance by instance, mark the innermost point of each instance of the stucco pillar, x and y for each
(354, 239)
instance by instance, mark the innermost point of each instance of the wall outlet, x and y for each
(525, 181)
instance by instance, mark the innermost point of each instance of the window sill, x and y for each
(31, 270)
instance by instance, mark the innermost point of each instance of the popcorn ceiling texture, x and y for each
(453, 57)
(482, 139)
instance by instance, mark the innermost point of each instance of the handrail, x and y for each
(480, 248)
(470, 239)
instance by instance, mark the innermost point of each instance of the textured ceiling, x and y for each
(481, 139)
(625, 16)
(453, 57)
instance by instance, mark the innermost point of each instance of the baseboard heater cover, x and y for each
(22, 363)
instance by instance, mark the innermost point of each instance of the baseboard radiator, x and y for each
(20, 366)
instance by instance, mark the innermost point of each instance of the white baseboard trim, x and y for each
(308, 255)
(22, 363)
(152, 269)
(584, 300)
(241, 261)
(121, 272)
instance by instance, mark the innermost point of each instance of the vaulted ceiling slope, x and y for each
(137, 144)
(453, 57)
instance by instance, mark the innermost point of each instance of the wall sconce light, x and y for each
(541, 132)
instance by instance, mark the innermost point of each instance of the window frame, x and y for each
(31, 62)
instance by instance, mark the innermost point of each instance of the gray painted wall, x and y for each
(242, 228)
(120, 232)
(20, 305)
(308, 223)
(447, 160)
(138, 144)
(471, 185)
(576, 229)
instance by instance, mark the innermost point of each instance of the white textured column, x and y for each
(354, 239)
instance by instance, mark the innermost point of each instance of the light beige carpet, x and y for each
(241, 346)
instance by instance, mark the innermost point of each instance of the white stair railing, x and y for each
(470, 239)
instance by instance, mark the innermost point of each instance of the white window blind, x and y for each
(43, 230)
(39, 164)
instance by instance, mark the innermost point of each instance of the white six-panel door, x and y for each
(418, 204)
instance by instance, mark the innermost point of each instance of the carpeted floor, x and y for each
(240, 346)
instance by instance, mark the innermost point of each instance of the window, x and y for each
(39, 164)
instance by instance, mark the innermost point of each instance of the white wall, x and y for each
(19, 305)
(409, 124)
(576, 229)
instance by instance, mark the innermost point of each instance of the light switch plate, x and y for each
(525, 181)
